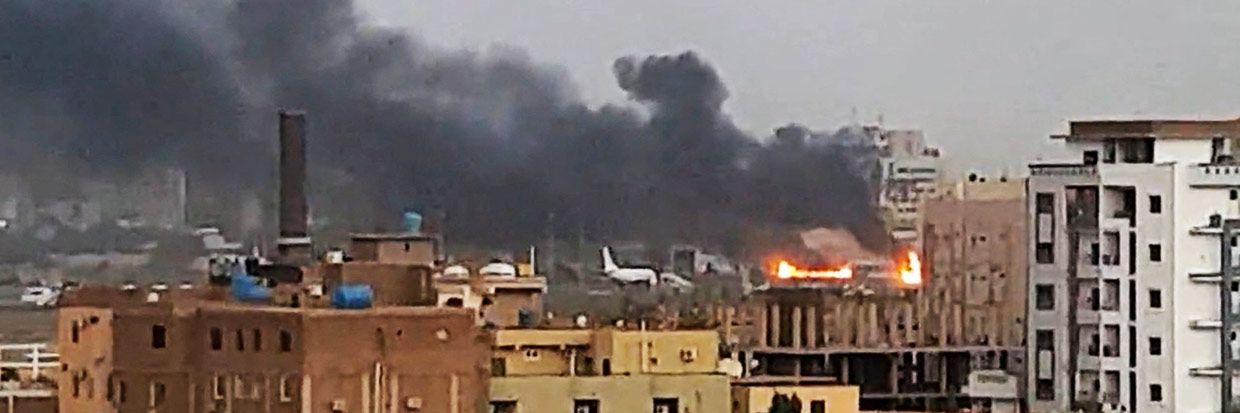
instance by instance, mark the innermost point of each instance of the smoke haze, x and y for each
(503, 145)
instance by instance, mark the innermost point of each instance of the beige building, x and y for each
(589, 371)
(750, 398)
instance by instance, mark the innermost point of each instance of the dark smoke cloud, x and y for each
(502, 144)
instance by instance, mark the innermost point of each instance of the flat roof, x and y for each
(1152, 128)
(391, 236)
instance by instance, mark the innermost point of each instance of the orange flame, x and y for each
(910, 272)
(786, 271)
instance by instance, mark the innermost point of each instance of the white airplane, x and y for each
(627, 275)
(640, 274)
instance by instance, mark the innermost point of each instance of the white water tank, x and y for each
(456, 271)
(499, 269)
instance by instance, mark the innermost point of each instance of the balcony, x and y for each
(1214, 176)
(1063, 169)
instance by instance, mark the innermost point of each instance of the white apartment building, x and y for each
(911, 174)
(1130, 320)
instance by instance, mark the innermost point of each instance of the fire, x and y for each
(907, 271)
(910, 272)
(786, 271)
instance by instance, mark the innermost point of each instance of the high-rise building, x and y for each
(910, 174)
(1124, 298)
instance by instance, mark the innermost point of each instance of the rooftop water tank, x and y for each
(456, 271)
(352, 296)
(413, 222)
(499, 269)
(246, 288)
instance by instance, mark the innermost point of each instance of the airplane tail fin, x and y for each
(609, 265)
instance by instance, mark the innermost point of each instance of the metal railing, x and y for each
(32, 357)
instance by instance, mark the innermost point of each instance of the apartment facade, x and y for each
(910, 175)
(607, 370)
(1122, 311)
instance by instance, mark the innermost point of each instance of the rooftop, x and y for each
(1152, 128)
(391, 236)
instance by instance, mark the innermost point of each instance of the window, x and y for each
(503, 406)
(666, 405)
(258, 340)
(217, 387)
(1093, 254)
(1155, 346)
(217, 338)
(499, 367)
(1156, 392)
(1234, 195)
(159, 336)
(1045, 203)
(157, 394)
(606, 367)
(818, 406)
(121, 390)
(240, 338)
(1155, 204)
(286, 341)
(585, 406)
(1045, 253)
(76, 330)
(288, 387)
(1155, 253)
(1045, 297)
(1090, 158)
(1155, 298)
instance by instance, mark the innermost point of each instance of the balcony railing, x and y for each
(1054, 169)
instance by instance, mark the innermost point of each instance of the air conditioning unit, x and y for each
(338, 405)
(413, 403)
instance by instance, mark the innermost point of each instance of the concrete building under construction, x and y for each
(907, 345)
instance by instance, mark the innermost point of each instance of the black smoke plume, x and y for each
(503, 145)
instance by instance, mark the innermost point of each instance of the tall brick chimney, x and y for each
(294, 244)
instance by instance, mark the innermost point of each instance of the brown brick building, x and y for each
(185, 352)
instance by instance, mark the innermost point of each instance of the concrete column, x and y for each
(764, 315)
(909, 335)
(775, 327)
(796, 326)
(873, 338)
(891, 311)
(811, 321)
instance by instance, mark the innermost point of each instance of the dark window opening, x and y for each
(1155, 204)
(1045, 203)
(258, 340)
(666, 405)
(1046, 253)
(1091, 158)
(1094, 250)
(504, 406)
(818, 406)
(1045, 297)
(1108, 151)
(499, 367)
(1155, 253)
(217, 339)
(286, 341)
(158, 393)
(1156, 393)
(240, 338)
(1046, 389)
(121, 391)
(1155, 346)
(159, 336)
(75, 330)
(1155, 299)
(585, 406)
(1132, 253)
(606, 367)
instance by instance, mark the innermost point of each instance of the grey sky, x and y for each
(987, 81)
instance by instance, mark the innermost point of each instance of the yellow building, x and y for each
(814, 399)
(588, 371)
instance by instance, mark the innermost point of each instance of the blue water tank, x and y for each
(246, 288)
(413, 222)
(352, 296)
